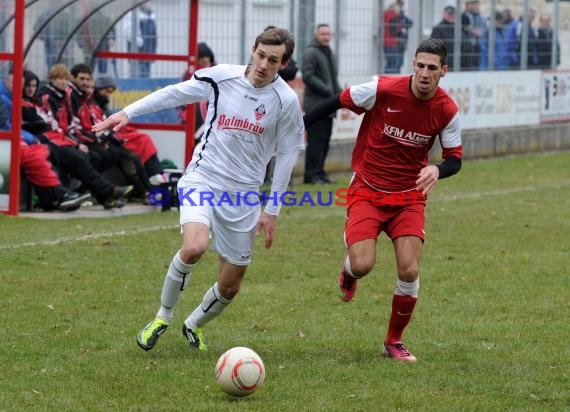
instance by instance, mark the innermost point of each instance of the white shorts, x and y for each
(232, 223)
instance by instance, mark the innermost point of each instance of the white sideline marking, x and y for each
(92, 236)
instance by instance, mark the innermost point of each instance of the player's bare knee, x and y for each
(192, 253)
(361, 266)
(408, 273)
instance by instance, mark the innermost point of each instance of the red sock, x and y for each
(402, 309)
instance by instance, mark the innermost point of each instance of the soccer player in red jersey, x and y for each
(403, 115)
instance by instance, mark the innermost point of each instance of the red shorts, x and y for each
(366, 220)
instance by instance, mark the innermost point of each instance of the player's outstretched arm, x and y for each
(115, 121)
(322, 110)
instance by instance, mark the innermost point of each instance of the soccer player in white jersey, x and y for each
(403, 115)
(252, 114)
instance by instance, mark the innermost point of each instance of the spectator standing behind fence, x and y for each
(545, 39)
(514, 41)
(501, 50)
(396, 27)
(145, 38)
(320, 76)
(445, 31)
(507, 17)
(475, 27)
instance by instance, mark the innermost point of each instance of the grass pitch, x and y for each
(491, 328)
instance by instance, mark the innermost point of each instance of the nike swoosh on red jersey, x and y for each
(390, 110)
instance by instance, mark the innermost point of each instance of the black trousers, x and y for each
(153, 166)
(72, 161)
(319, 137)
(129, 163)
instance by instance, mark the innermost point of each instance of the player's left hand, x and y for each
(427, 179)
(116, 121)
(267, 223)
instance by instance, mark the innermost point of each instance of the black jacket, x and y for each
(320, 74)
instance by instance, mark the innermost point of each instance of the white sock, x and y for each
(213, 304)
(407, 288)
(176, 280)
(347, 268)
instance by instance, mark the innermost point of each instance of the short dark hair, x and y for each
(433, 46)
(80, 68)
(277, 37)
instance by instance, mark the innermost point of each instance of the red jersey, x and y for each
(398, 130)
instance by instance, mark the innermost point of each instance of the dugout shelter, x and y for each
(35, 34)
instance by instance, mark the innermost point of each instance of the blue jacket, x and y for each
(514, 36)
(6, 98)
(501, 50)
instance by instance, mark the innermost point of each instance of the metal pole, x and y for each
(492, 35)
(524, 37)
(381, 28)
(18, 73)
(242, 51)
(306, 26)
(3, 18)
(554, 49)
(134, 65)
(337, 7)
(291, 26)
(420, 20)
(457, 34)
(190, 142)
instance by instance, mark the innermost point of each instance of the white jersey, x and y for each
(244, 127)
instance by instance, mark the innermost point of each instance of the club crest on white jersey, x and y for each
(259, 112)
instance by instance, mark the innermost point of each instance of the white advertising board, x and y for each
(555, 96)
(495, 99)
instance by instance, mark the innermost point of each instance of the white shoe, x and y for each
(157, 179)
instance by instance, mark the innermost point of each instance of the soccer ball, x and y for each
(240, 371)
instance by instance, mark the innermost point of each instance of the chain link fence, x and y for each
(365, 38)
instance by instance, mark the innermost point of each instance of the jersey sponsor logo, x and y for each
(390, 110)
(259, 112)
(235, 123)
(407, 137)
